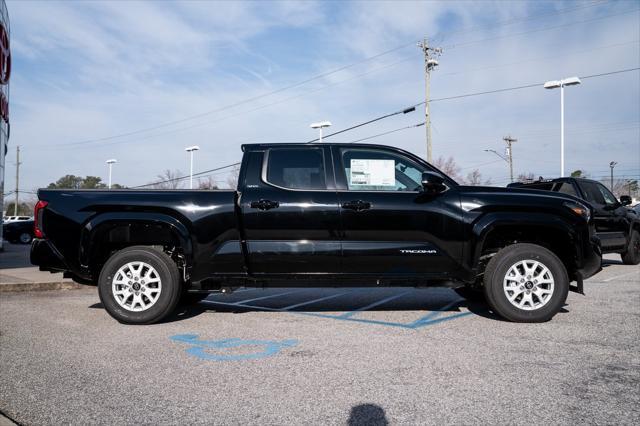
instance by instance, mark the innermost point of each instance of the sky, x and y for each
(140, 81)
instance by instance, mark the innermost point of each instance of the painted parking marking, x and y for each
(202, 348)
(265, 297)
(311, 302)
(427, 318)
(373, 305)
(433, 317)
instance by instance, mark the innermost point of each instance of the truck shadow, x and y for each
(338, 303)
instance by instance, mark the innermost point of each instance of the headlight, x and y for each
(579, 209)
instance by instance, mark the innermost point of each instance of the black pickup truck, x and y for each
(617, 227)
(320, 215)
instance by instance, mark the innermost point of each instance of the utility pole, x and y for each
(509, 140)
(430, 53)
(612, 165)
(15, 207)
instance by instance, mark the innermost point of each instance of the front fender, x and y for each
(492, 221)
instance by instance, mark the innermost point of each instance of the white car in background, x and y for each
(9, 219)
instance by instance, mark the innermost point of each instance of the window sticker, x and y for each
(373, 172)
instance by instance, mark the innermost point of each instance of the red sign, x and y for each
(5, 56)
(5, 71)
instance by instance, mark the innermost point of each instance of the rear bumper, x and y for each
(46, 256)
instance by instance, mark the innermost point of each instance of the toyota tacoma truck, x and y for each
(617, 227)
(320, 215)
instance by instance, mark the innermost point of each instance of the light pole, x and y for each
(320, 125)
(190, 150)
(611, 166)
(554, 84)
(506, 158)
(111, 163)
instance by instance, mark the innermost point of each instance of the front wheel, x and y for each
(139, 285)
(632, 255)
(526, 283)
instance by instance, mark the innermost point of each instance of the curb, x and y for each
(20, 287)
(6, 421)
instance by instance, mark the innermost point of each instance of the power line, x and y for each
(403, 111)
(387, 133)
(339, 69)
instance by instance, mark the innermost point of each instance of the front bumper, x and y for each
(591, 263)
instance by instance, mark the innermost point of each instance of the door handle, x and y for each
(356, 205)
(264, 204)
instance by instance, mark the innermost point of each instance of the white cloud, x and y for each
(87, 70)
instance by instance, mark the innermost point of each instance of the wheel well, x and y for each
(112, 238)
(558, 242)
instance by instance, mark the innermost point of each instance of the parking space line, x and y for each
(287, 308)
(373, 305)
(265, 297)
(430, 315)
(429, 319)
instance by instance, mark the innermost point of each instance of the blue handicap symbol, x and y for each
(200, 347)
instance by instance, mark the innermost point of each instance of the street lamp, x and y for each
(111, 163)
(190, 150)
(611, 166)
(554, 84)
(320, 125)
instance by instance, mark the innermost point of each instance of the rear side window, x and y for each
(296, 168)
(567, 188)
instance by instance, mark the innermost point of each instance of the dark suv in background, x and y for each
(616, 225)
(20, 231)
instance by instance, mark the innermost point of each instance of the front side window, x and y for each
(296, 168)
(592, 193)
(371, 170)
(609, 198)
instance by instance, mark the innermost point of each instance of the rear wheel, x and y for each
(526, 283)
(139, 285)
(632, 255)
(25, 238)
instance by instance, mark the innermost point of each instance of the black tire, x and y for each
(167, 272)
(496, 272)
(25, 238)
(632, 255)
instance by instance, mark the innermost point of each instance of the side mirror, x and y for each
(625, 200)
(433, 183)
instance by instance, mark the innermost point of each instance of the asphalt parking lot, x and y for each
(324, 356)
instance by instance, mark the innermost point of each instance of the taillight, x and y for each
(37, 218)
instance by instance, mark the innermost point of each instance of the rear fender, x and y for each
(96, 228)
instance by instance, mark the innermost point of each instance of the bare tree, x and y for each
(620, 186)
(232, 179)
(474, 178)
(526, 177)
(449, 167)
(208, 183)
(169, 180)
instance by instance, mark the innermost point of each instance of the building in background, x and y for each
(5, 74)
